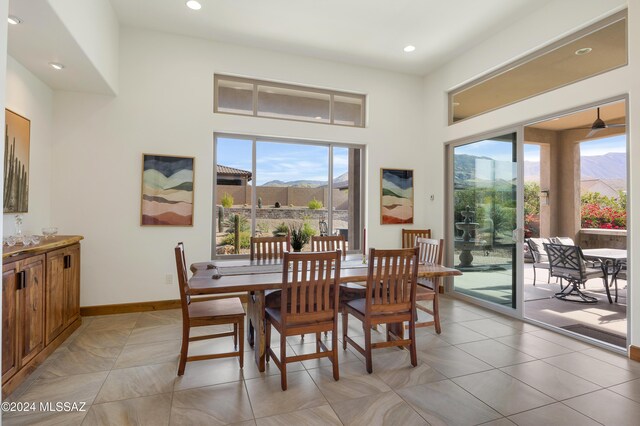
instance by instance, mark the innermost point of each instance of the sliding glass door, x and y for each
(483, 218)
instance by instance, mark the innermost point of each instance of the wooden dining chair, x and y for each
(409, 236)
(205, 313)
(269, 248)
(329, 243)
(309, 304)
(391, 299)
(430, 251)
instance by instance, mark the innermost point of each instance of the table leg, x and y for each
(255, 308)
(605, 269)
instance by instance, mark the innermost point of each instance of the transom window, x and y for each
(242, 96)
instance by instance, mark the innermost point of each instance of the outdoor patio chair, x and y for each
(539, 255)
(567, 241)
(568, 263)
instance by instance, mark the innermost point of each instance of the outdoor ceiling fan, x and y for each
(599, 124)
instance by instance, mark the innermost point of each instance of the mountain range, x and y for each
(308, 183)
(612, 165)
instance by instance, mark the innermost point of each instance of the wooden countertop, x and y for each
(45, 244)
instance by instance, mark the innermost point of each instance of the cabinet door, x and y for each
(54, 295)
(31, 322)
(9, 308)
(72, 284)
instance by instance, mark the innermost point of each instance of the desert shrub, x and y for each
(282, 229)
(227, 200)
(245, 239)
(229, 223)
(308, 230)
(315, 204)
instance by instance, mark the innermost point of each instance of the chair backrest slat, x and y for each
(409, 236)
(392, 279)
(329, 243)
(309, 286)
(269, 248)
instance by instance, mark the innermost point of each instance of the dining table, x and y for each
(610, 260)
(217, 277)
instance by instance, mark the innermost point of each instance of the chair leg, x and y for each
(345, 326)
(184, 349)
(367, 346)
(241, 340)
(267, 338)
(412, 337)
(534, 275)
(318, 337)
(235, 335)
(334, 348)
(436, 314)
(283, 361)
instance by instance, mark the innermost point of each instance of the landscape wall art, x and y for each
(396, 196)
(167, 190)
(16, 163)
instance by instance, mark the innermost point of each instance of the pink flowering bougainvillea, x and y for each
(603, 216)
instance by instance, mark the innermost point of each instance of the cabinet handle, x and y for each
(67, 261)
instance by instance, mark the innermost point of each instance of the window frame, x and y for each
(254, 141)
(603, 23)
(265, 83)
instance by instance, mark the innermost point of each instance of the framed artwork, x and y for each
(396, 196)
(167, 190)
(16, 163)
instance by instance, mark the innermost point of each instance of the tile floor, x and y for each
(483, 369)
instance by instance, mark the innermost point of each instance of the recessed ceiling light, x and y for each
(318, 118)
(193, 4)
(455, 103)
(583, 51)
(56, 66)
(14, 20)
(409, 48)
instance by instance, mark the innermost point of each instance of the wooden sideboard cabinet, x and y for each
(40, 304)
(62, 291)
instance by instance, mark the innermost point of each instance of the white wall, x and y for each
(560, 18)
(94, 25)
(165, 106)
(31, 98)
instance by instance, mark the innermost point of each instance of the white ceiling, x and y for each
(42, 38)
(363, 32)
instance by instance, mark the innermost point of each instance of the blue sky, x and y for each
(502, 151)
(282, 161)
(604, 146)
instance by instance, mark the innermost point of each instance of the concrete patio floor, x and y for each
(541, 305)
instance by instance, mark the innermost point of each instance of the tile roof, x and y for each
(224, 170)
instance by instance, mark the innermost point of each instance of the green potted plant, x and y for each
(298, 238)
